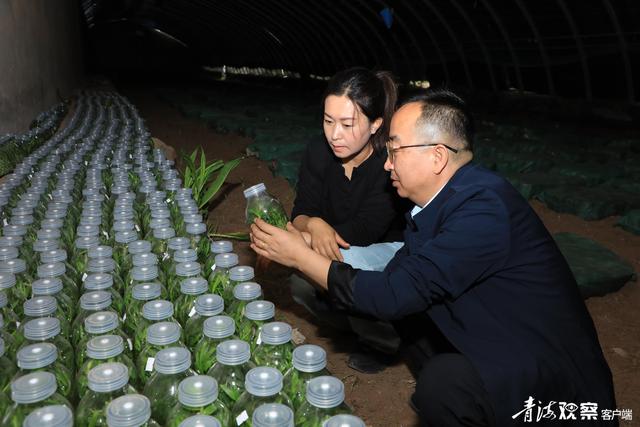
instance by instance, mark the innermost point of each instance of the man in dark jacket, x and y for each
(480, 288)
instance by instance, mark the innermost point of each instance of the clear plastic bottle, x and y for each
(50, 416)
(30, 392)
(160, 241)
(197, 233)
(309, 361)
(7, 367)
(200, 421)
(231, 368)
(45, 306)
(237, 275)
(106, 266)
(256, 314)
(139, 275)
(218, 278)
(90, 302)
(206, 306)
(135, 298)
(183, 270)
(272, 415)
(100, 350)
(59, 270)
(160, 335)
(171, 366)
(152, 312)
(104, 282)
(53, 287)
(98, 324)
(216, 329)
(261, 204)
(80, 255)
(130, 410)
(325, 398)
(11, 320)
(216, 247)
(21, 289)
(243, 293)
(47, 329)
(344, 420)
(44, 357)
(185, 304)
(60, 255)
(275, 349)
(178, 257)
(106, 382)
(262, 385)
(198, 395)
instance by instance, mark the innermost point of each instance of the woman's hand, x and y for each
(282, 246)
(325, 240)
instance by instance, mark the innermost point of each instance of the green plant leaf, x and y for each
(217, 183)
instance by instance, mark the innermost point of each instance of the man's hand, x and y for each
(325, 240)
(282, 246)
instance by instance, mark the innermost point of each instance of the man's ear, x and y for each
(440, 159)
(377, 123)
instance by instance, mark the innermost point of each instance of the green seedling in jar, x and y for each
(262, 385)
(216, 329)
(274, 348)
(98, 324)
(15, 271)
(104, 282)
(135, 298)
(53, 287)
(230, 369)
(272, 415)
(39, 307)
(206, 306)
(198, 395)
(243, 294)
(219, 278)
(7, 367)
(309, 361)
(90, 302)
(152, 312)
(61, 415)
(262, 205)
(11, 321)
(47, 329)
(130, 410)
(185, 305)
(217, 247)
(160, 335)
(324, 399)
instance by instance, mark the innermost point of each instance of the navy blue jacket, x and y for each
(480, 263)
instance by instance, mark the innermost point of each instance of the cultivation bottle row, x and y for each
(115, 307)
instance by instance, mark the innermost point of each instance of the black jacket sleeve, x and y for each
(340, 280)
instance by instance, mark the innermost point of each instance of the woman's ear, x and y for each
(376, 125)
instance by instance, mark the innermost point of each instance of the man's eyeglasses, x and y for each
(391, 151)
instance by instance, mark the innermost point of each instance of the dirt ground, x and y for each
(382, 399)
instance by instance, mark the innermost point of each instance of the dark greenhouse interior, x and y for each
(133, 134)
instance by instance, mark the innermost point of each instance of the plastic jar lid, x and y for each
(309, 358)
(56, 255)
(194, 286)
(53, 269)
(325, 392)
(10, 241)
(100, 251)
(139, 247)
(14, 230)
(8, 252)
(105, 346)
(272, 415)
(260, 310)
(88, 219)
(15, 266)
(98, 281)
(186, 269)
(160, 213)
(37, 356)
(87, 230)
(144, 274)
(219, 327)
(101, 322)
(209, 305)
(101, 265)
(42, 329)
(87, 242)
(95, 300)
(48, 233)
(51, 223)
(50, 416)
(7, 280)
(145, 259)
(233, 352)
(46, 286)
(226, 260)
(157, 310)
(178, 243)
(221, 247)
(108, 377)
(125, 237)
(263, 381)
(200, 421)
(163, 333)
(185, 255)
(254, 190)
(195, 229)
(241, 273)
(164, 233)
(123, 225)
(40, 306)
(44, 245)
(130, 410)
(247, 291)
(276, 333)
(344, 420)
(123, 214)
(197, 391)
(172, 360)
(22, 220)
(147, 291)
(33, 388)
(192, 218)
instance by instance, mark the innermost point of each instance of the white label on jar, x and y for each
(5, 222)
(105, 233)
(124, 317)
(130, 344)
(149, 365)
(84, 276)
(165, 256)
(213, 267)
(240, 419)
(137, 227)
(259, 340)
(192, 312)
(17, 325)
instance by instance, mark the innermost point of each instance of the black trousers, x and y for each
(449, 391)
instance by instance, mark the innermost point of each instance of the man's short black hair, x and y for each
(447, 111)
